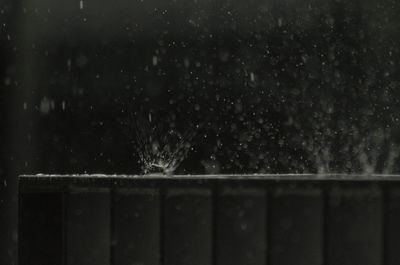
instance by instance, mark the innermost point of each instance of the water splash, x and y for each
(352, 149)
(160, 145)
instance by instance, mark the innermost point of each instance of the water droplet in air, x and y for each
(252, 78)
(45, 106)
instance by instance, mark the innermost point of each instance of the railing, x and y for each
(209, 220)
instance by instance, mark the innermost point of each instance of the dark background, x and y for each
(253, 86)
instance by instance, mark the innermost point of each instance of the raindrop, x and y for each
(155, 60)
(81, 60)
(186, 62)
(280, 22)
(252, 78)
(69, 64)
(45, 106)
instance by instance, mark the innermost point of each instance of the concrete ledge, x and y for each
(209, 219)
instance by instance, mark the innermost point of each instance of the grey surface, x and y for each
(354, 227)
(188, 227)
(241, 227)
(41, 229)
(296, 225)
(392, 229)
(88, 228)
(136, 227)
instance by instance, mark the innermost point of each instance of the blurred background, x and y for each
(195, 86)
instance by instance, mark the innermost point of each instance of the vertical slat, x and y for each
(188, 227)
(241, 227)
(41, 228)
(325, 220)
(88, 227)
(161, 226)
(354, 226)
(136, 227)
(112, 225)
(214, 224)
(392, 222)
(65, 225)
(268, 232)
(296, 227)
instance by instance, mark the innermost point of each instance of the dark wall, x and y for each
(260, 86)
(223, 86)
(8, 188)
